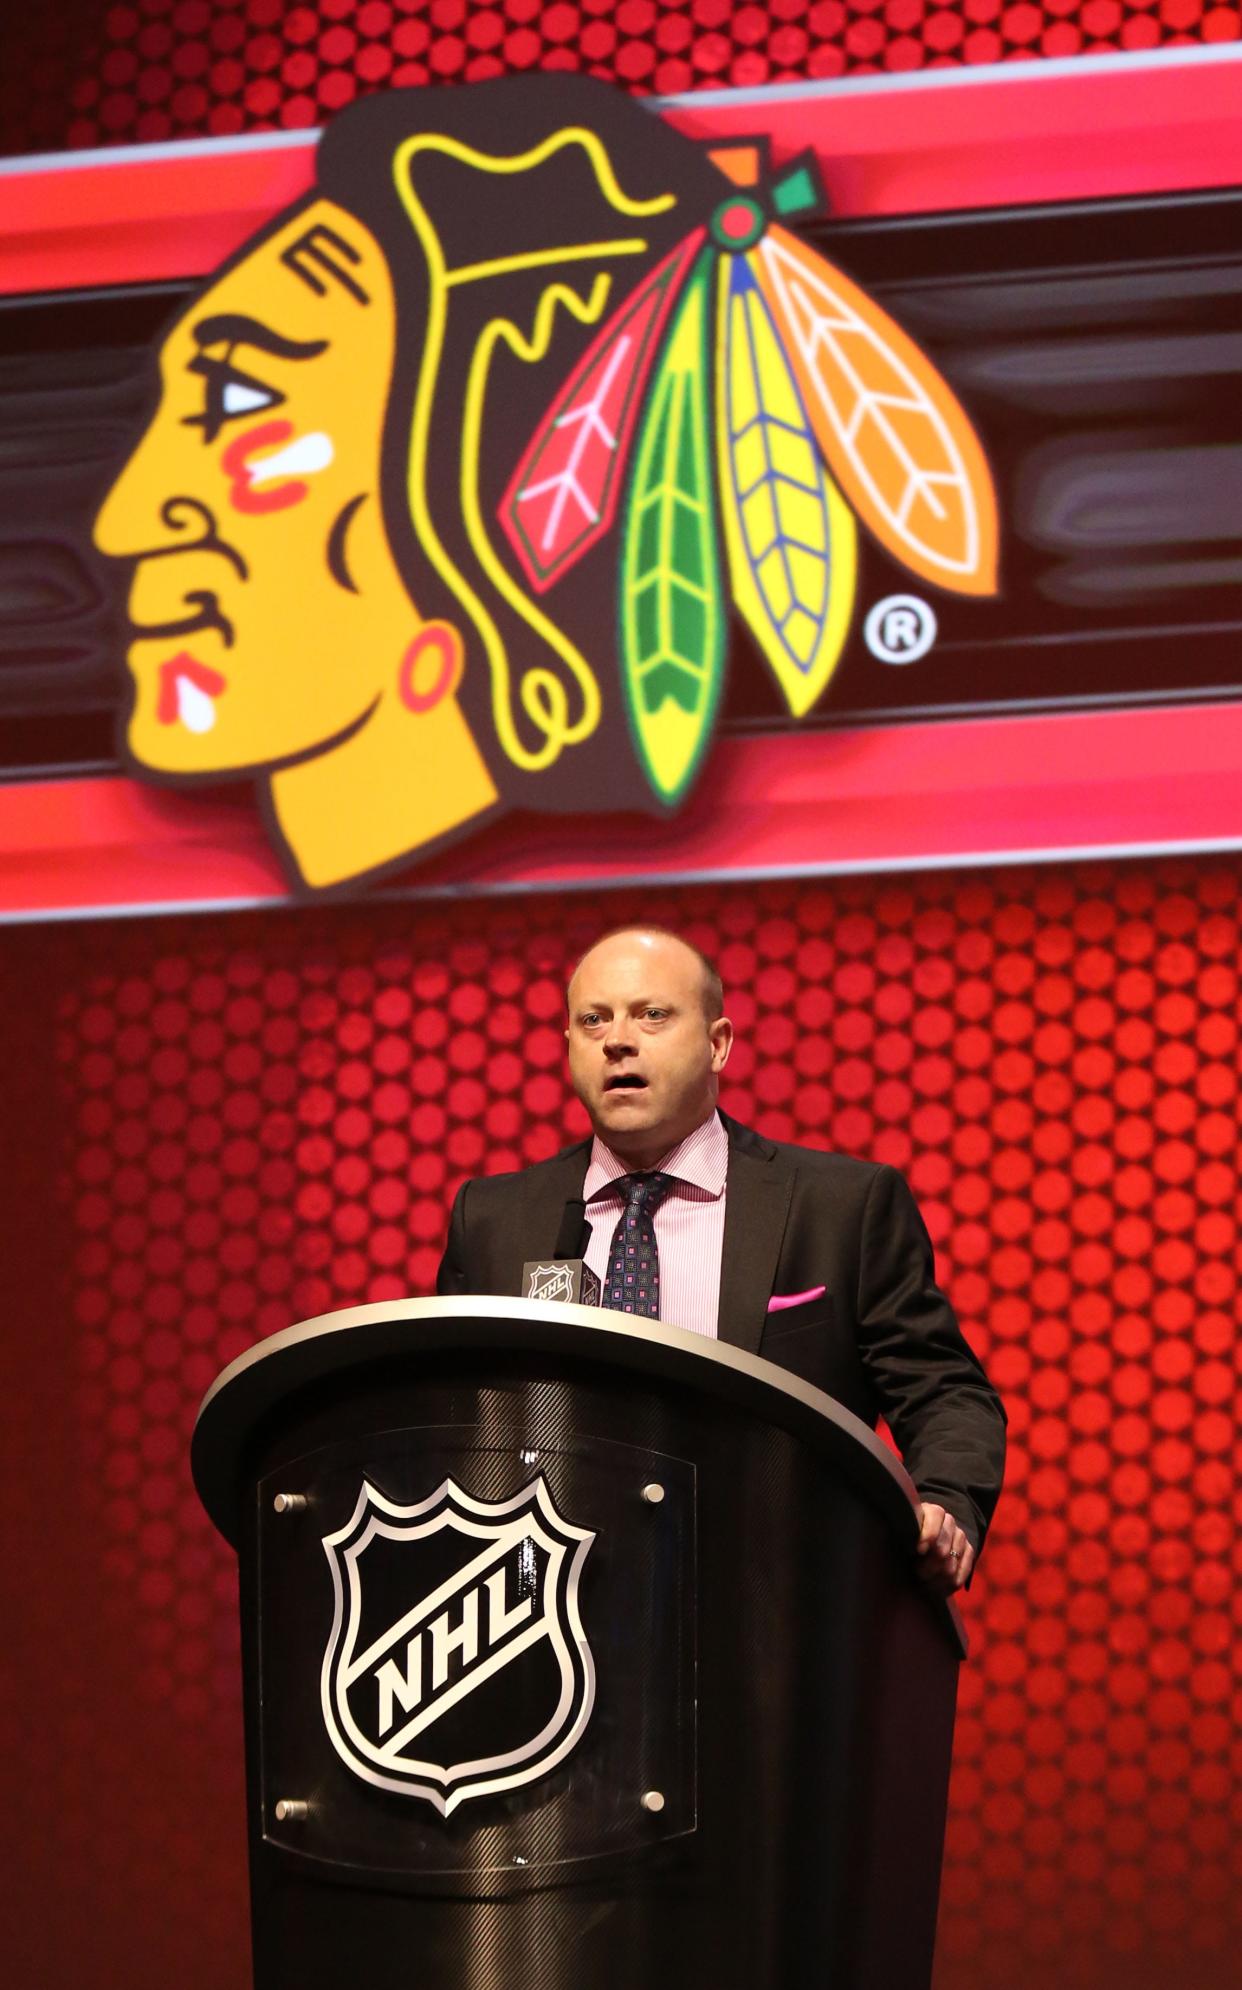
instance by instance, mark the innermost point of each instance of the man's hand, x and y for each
(945, 1556)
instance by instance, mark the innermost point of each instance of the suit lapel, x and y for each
(550, 1188)
(757, 1200)
(758, 1195)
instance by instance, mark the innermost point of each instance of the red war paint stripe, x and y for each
(562, 497)
(184, 665)
(243, 495)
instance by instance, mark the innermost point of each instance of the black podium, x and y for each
(577, 1652)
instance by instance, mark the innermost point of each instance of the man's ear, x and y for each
(720, 1034)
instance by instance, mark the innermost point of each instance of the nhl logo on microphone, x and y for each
(457, 1665)
(563, 1281)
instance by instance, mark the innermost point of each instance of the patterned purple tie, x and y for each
(632, 1281)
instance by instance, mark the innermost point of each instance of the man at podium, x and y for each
(818, 1263)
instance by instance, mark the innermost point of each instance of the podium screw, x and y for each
(652, 1800)
(653, 1494)
(291, 1810)
(289, 1502)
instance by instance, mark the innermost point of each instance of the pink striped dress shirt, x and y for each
(689, 1223)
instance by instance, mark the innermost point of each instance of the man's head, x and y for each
(647, 1040)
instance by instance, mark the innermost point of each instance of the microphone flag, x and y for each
(560, 1281)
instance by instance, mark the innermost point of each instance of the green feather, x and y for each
(673, 614)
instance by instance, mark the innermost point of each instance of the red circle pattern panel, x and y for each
(85, 74)
(270, 1118)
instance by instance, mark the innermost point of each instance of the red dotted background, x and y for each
(265, 1118)
(216, 1127)
(86, 73)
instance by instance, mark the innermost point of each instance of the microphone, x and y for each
(565, 1278)
(575, 1232)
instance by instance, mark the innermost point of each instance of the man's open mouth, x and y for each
(625, 1081)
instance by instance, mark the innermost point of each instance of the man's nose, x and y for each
(619, 1038)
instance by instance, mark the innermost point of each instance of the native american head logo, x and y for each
(457, 473)
(457, 1665)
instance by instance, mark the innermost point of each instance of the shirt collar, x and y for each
(699, 1161)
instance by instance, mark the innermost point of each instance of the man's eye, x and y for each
(229, 394)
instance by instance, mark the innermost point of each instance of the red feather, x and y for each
(563, 494)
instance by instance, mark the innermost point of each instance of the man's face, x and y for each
(643, 1055)
(263, 589)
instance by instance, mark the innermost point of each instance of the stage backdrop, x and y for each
(225, 1127)
(215, 1126)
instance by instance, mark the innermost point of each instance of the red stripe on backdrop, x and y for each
(944, 139)
(940, 140)
(963, 791)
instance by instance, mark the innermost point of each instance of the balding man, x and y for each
(818, 1263)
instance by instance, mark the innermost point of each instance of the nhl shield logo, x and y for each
(457, 1666)
(550, 1282)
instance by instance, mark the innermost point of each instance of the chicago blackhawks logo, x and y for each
(458, 473)
(457, 1665)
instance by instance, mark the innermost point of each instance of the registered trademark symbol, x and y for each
(900, 629)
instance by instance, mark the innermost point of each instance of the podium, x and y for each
(577, 1651)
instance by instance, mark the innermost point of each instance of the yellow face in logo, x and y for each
(271, 631)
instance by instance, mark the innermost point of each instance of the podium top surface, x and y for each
(338, 1344)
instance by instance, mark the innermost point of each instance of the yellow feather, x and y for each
(791, 538)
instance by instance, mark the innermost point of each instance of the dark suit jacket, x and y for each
(882, 1339)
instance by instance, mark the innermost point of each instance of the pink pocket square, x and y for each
(779, 1300)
